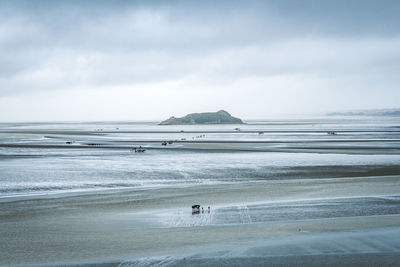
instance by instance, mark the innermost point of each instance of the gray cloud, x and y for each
(73, 45)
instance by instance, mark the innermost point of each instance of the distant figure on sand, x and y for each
(209, 210)
(140, 149)
(195, 209)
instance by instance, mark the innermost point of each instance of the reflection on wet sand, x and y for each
(75, 194)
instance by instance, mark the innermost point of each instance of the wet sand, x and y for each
(333, 200)
(144, 226)
(225, 147)
(323, 136)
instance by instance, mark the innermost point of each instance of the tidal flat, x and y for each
(280, 193)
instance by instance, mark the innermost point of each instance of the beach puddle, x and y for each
(282, 211)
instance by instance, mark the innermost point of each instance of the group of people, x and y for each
(167, 142)
(196, 209)
(138, 150)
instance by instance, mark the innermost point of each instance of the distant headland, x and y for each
(368, 112)
(219, 117)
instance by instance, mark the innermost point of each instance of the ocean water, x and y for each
(43, 158)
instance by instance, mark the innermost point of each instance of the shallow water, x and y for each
(35, 158)
(281, 211)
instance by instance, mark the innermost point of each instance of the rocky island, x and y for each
(219, 117)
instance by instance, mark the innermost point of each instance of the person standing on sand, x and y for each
(209, 210)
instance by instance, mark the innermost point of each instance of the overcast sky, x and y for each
(148, 60)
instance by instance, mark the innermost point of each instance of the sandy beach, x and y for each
(280, 194)
(142, 227)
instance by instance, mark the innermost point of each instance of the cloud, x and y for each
(270, 48)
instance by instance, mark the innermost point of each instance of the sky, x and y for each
(149, 60)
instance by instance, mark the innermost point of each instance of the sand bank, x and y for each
(130, 226)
